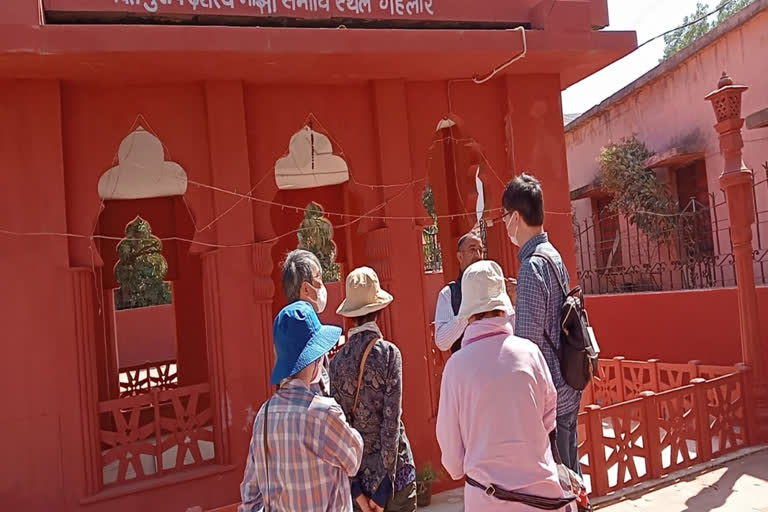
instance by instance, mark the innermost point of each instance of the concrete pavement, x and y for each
(739, 485)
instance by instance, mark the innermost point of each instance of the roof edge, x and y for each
(711, 37)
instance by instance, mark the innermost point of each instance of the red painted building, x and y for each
(218, 122)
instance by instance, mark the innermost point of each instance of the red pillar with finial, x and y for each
(736, 182)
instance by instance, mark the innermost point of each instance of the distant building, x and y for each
(665, 108)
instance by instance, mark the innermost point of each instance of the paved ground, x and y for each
(737, 486)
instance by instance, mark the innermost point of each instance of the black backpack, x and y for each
(578, 350)
(456, 305)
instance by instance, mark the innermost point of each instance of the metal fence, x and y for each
(696, 252)
(433, 259)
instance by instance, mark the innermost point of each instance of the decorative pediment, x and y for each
(142, 171)
(310, 163)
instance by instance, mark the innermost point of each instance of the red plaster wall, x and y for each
(38, 371)
(145, 335)
(433, 283)
(60, 137)
(675, 327)
(335, 296)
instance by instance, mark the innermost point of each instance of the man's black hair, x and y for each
(523, 194)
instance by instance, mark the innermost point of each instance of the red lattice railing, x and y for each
(658, 418)
(641, 420)
(619, 380)
(141, 379)
(156, 433)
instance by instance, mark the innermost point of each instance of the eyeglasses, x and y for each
(501, 217)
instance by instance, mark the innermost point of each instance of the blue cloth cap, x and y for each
(300, 339)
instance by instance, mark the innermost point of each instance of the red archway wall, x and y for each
(229, 134)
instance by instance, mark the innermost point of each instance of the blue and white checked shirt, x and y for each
(313, 453)
(539, 300)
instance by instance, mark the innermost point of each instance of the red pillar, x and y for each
(736, 182)
(395, 253)
(236, 280)
(535, 145)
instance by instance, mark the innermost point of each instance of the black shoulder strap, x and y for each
(455, 288)
(551, 262)
(455, 296)
(552, 265)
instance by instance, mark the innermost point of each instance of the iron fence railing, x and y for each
(614, 256)
(433, 260)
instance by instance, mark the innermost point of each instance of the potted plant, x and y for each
(424, 480)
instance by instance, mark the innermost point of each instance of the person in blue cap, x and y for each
(302, 451)
(303, 280)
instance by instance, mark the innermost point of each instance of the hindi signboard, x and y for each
(414, 10)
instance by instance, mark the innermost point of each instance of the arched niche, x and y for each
(313, 178)
(144, 184)
(181, 403)
(459, 177)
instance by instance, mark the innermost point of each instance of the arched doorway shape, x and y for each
(458, 164)
(170, 424)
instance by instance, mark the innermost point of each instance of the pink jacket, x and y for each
(497, 408)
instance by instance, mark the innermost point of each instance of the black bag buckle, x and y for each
(490, 490)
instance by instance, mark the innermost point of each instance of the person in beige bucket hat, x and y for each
(496, 417)
(485, 291)
(366, 380)
(364, 294)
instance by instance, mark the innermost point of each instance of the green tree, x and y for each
(730, 9)
(682, 37)
(634, 189)
(141, 269)
(316, 235)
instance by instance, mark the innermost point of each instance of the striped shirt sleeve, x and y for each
(448, 328)
(342, 444)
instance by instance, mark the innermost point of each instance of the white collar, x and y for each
(368, 326)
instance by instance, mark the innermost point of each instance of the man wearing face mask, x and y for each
(303, 280)
(540, 299)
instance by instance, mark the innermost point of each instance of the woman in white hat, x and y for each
(366, 380)
(497, 407)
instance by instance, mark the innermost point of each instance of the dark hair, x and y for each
(467, 236)
(360, 320)
(523, 194)
(489, 314)
(297, 269)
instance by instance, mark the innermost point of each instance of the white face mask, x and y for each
(322, 298)
(513, 236)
